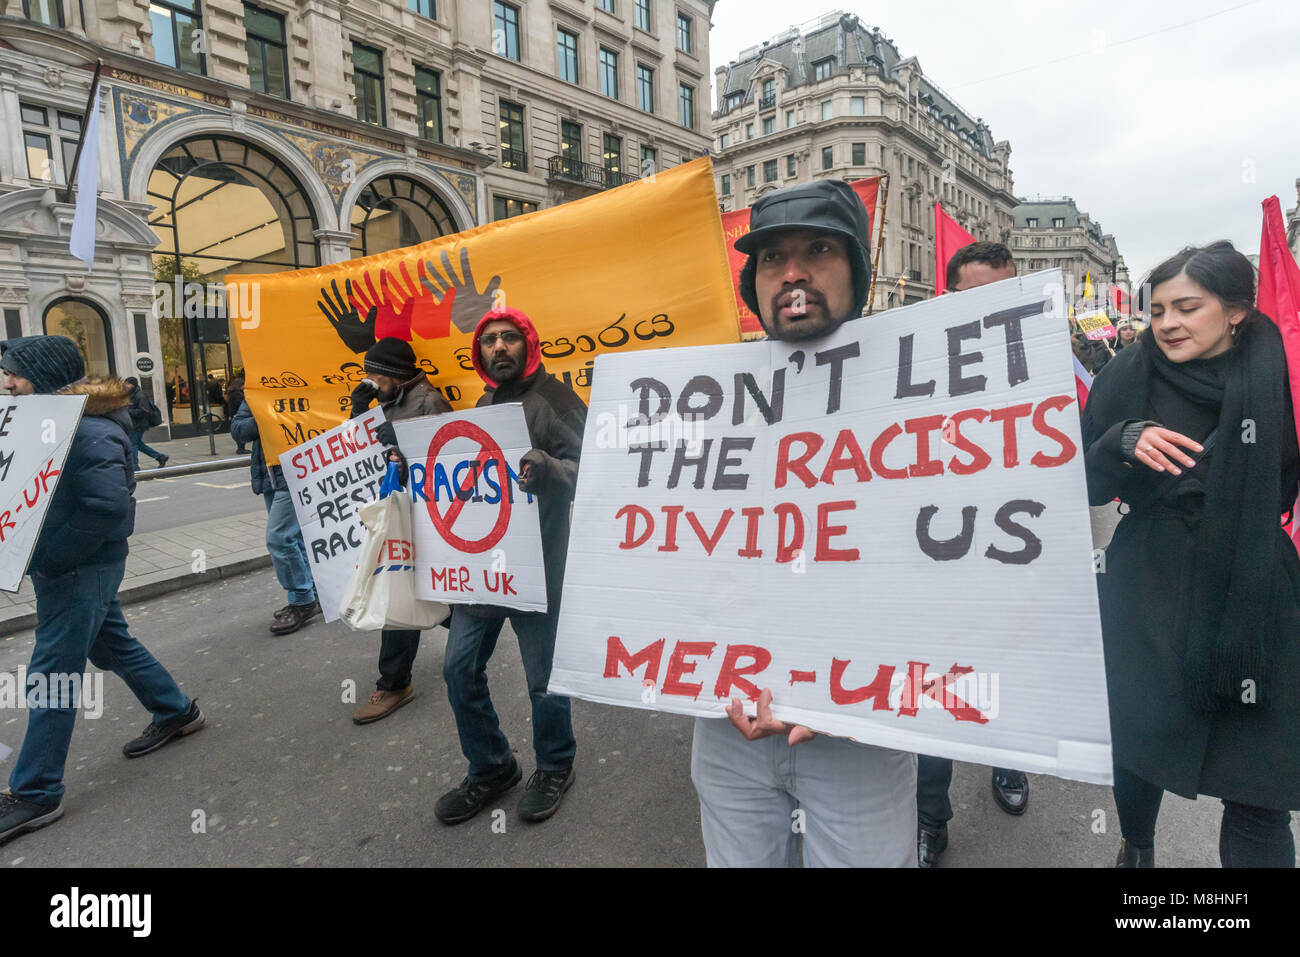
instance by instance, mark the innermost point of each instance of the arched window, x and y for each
(395, 211)
(222, 207)
(228, 206)
(85, 324)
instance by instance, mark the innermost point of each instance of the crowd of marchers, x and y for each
(1201, 599)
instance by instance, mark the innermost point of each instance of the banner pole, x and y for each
(880, 242)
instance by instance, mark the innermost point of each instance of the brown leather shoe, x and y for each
(290, 619)
(382, 704)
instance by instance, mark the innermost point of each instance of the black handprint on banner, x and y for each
(357, 334)
(468, 305)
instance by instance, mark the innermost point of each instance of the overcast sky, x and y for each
(1166, 140)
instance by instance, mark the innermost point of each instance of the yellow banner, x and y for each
(641, 266)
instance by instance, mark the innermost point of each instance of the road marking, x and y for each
(210, 485)
(156, 498)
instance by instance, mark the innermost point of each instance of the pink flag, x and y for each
(1279, 293)
(948, 238)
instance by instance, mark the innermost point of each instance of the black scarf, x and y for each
(1226, 604)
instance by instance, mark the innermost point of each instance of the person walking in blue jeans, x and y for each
(144, 415)
(283, 536)
(76, 568)
(507, 356)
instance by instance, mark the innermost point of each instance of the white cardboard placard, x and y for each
(931, 456)
(329, 478)
(477, 536)
(36, 432)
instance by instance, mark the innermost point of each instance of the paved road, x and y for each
(284, 778)
(164, 503)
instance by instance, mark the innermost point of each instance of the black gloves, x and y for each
(534, 471)
(363, 395)
(386, 434)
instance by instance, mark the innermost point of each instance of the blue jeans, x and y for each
(288, 552)
(78, 616)
(138, 446)
(470, 643)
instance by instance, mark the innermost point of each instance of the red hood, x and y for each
(520, 322)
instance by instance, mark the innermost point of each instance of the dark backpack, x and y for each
(155, 416)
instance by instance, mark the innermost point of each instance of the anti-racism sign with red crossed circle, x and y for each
(476, 534)
(488, 458)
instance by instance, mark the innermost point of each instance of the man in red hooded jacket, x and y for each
(507, 356)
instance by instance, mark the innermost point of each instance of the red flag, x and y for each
(1121, 301)
(1082, 383)
(736, 224)
(948, 238)
(1279, 294)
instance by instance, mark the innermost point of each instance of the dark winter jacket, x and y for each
(92, 512)
(140, 410)
(415, 398)
(556, 419)
(243, 429)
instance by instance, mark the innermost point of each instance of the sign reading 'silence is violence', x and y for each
(887, 527)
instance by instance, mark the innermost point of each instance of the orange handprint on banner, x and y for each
(392, 316)
(403, 305)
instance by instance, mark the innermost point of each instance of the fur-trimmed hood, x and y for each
(104, 394)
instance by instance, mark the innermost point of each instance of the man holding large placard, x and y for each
(808, 273)
(885, 524)
(507, 355)
(78, 563)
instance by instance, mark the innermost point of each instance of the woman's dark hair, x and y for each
(1218, 268)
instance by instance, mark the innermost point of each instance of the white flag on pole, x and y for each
(82, 242)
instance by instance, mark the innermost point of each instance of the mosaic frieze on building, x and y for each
(337, 164)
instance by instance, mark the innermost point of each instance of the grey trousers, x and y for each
(854, 805)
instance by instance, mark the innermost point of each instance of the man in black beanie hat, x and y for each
(404, 392)
(76, 568)
(807, 274)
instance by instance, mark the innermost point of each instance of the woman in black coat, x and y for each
(1192, 428)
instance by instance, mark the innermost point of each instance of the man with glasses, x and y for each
(507, 356)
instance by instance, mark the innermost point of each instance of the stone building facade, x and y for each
(251, 138)
(1053, 233)
(834, 98)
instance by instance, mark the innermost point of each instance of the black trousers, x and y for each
(397, 651)
(933, 777)
(1248, 836)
